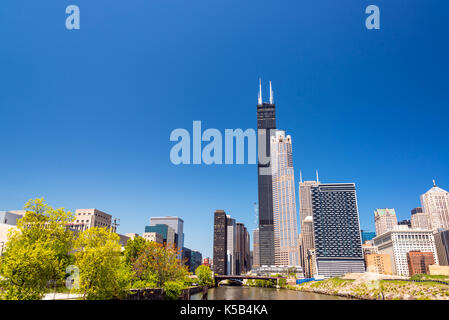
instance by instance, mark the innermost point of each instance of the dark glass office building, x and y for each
(336, 224)
(220, 242)
(266, 122)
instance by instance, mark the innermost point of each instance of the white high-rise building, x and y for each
(284, 201)
(435, 204)
(230, 245)
(401, 240)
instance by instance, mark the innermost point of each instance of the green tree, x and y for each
(159, 264)
(173, 289)
(102, 270)
(204, 275)
(134, 248)
(37, 253)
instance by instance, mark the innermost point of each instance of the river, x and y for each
(255, 293)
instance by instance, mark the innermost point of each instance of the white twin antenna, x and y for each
(260, 93)
(300, 176)
(317, 179)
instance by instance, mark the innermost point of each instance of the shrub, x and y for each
(173, 289)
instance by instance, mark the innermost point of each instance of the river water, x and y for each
(255, 293)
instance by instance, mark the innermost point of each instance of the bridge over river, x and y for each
(219, 278)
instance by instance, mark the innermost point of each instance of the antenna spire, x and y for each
(434, 184)
(317, 179)
(271, 95)
(260, 92)
(300, 176)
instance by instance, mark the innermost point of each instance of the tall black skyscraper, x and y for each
(338, 245)
(220, 241)
(266, 122)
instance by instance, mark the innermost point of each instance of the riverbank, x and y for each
(262, 294)
(376, 289)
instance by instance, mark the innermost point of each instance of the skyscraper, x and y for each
(284, 201)
(176, 224)
(306, 223)
(419, 219)
(230, 245)
(435, 203)
(338, 246)
(442, 247)
(385, 220)
(242, 252)
(220, 242)
(256, 259)
(266, 123)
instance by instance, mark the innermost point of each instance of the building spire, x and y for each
(317, 179)
(260, 92)
(434, 184)
(271, 95)
(300, 176)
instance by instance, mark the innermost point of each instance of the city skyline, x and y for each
(87, 130)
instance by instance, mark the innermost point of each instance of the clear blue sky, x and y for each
(86, 115)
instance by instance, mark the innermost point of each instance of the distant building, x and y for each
(132, 235)
(378, 263)
(367, 235)
(220, 242)
(243, 263)
(196, 259)
(266, 124)
(307, 241)
(405, 223)
(11, 217)
(419, 262)
(435, 203)
(401, 240)
(169, 236)
(284, 201)
(420, 219)
(153, 237)
(442, 246)
(274, 270)
(369, 248)
(88, 218)
(256, 257)
(187, 257)
(385, 220)
(231, 245)
(123, 240)
(177, 224)
(338, 243)
(206, 262)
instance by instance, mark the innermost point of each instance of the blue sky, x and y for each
(86, 115)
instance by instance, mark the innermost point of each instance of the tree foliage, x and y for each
(158, 264)
(204, 275)
(103, 272)
(36, 253)
(134, 247)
